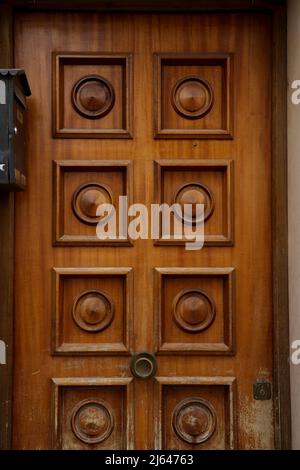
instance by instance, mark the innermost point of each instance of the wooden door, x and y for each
(161, 108)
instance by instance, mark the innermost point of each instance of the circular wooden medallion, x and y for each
(86, 200)
(194, 193)
(194, 420)
(92, 421)
(192, 97)
(93, 96)
(93, 310)
(193, 310)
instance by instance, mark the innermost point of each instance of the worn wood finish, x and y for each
(176, 389)
(65, 394)
(250, 255)
(6, 259)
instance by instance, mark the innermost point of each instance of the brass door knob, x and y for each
(143, 365)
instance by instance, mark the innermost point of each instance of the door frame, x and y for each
(281, 346)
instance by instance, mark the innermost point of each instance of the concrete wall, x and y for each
(294, 206)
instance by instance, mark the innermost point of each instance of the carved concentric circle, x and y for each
(194, 193)
(86, 200)
(92, 421)
(93, 96)
(93, 310)
(192, 97)
(193, 310)
(194, 420)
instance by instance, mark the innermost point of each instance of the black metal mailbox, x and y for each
(14, 89)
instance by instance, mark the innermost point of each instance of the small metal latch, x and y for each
(262, 390)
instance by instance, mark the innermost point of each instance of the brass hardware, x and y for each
(143, 365)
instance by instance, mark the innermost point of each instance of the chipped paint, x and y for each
(256, 424)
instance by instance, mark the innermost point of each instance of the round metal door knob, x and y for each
(143, 365)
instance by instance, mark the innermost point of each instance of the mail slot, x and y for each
(14, 89)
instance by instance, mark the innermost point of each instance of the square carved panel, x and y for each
(193, 96)
(208, 182)
(195, 413)
(92, 95)
(195, 310)
(92, 310)
(92, 413)
(79, 188)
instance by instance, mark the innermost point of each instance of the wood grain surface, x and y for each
(248, 38)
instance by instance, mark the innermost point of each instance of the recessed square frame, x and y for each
(61, 166)
(59, 60)
(223, 348)
(226, 166)
(59, 384)
(58, 347)
(225, 60)
(231, 418)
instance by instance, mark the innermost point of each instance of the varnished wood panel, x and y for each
(194, 96)
(92, 95)
(92, 310)
(91, 413)
(214, 181)
(250, 255)
(196, 412)
(72, 182)
(195, 310)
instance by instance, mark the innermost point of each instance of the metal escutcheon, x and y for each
(143, 365)
(262, 390)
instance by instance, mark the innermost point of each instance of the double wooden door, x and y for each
(160, 108)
